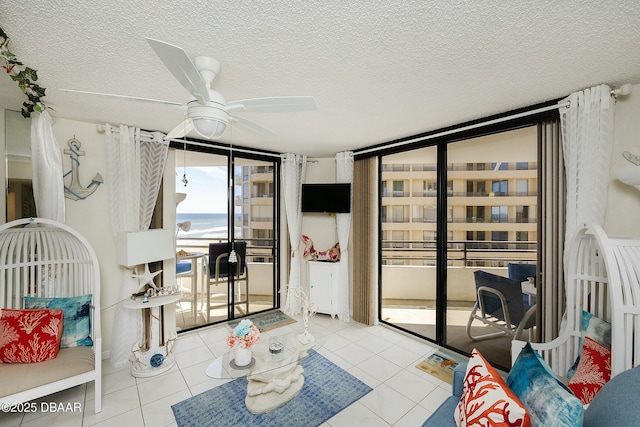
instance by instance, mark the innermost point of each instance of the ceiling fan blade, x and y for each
(277, 104)
(179, 64)
(180, 130)
(125, 97)
(251, 127)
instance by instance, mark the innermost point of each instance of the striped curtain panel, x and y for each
(552, 230)
(365, 226)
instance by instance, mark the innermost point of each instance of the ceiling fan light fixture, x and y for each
(208, 128)
(209, 120)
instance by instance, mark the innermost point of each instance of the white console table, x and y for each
(324, 283)
(154, 356)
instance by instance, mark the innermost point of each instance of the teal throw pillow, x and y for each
(76, 320)
(548, 401)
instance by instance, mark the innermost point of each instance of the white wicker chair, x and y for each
(44, 258)
(603, 278)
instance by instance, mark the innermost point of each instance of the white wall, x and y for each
(622, 217)
(91, 216)
(320, 227)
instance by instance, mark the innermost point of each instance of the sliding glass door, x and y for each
(493, 203)
(446, 212)
(226, 224)
(408, 246)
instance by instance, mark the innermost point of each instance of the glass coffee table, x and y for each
(273, 378)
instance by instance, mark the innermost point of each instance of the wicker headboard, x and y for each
(40, 257)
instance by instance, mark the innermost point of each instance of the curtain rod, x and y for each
(623, 90)
(147, 134)
(465, 128)
(226, 147)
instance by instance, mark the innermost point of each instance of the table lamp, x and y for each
(142, 247)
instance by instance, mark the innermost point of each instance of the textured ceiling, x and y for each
(379, 70)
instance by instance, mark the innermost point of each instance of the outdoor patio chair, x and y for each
(218, 275)
(499, 304)
(521, 273)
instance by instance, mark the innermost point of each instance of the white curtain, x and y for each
(46, 163)
(344, 174)
(294, 168)
(135, 167)
(587, 142)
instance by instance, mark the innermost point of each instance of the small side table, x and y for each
(530, 290)
(158, 357)
(193, 257)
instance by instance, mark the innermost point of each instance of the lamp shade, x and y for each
(141, 247)
(210, 129)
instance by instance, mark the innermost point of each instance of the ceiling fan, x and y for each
(208, 112)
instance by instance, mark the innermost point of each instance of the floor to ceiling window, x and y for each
(489, 204)
(217, 213)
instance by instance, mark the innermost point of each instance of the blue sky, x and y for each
(206, 190)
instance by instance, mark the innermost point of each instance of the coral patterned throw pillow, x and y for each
(593, 372)
(28, 336)
(487, 400)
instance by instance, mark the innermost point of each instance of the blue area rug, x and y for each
(326, 391)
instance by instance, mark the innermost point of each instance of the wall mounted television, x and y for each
(329, 198)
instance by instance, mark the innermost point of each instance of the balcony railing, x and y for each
(471, 220)
(395, 220)
(395, 193)
(258, 249)
(466, 253)
(487, 167)
(489, 220)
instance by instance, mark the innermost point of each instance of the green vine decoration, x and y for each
(25, 76)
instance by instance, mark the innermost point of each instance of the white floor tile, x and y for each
(194, 356)
(374, 344)
(380, 368)
(161, 386)
(356, 414)
(188, 342)
(380, 357)
(364, 376)
(354, 354)
(116, 381)
(387, 403)
(411, 385)
(415, 417)
(112, 406)
(400, 356)
(435, 399)
(159, 412)
(11, 419)
(129, 418)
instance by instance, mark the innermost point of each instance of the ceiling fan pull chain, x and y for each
(184, 163)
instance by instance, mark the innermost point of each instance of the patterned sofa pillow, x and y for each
(593, 372)
(77, 320)
(486, 398)
(595, 328)
(29, 336)
(549, 402)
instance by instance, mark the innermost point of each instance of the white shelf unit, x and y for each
(324, 282)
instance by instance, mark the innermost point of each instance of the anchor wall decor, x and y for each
(72, 188)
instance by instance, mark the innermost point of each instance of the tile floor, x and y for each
(384, 359)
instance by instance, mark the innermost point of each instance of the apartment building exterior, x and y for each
(254, 210)
(491, 209)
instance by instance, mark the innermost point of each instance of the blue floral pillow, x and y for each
(548, 401)
(76, 320)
